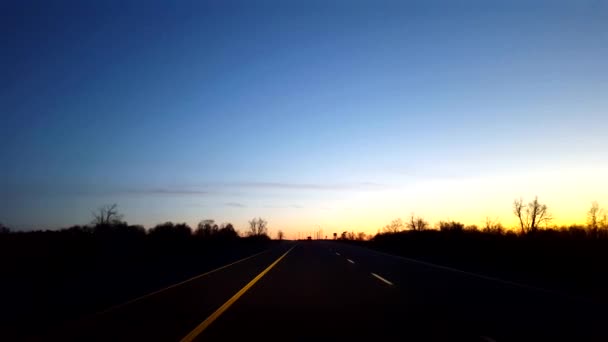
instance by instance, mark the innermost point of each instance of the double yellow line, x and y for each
(205, 324)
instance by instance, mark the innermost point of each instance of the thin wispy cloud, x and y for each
(292, 206)
(91, 190)
(235, 205)
(304, 186)
(156, 191)
(231, 189)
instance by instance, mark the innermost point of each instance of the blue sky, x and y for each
(341, 115)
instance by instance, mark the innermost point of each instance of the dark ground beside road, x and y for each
(55, 281)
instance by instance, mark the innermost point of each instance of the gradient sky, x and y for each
(341, 116)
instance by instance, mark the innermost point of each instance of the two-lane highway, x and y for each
(322, 289)
(312, 294)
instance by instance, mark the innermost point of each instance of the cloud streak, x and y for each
(235, 205)
(291, 206)
(156, 191)
(236, 188)
(304, 186)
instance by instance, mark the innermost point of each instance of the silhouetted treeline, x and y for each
(569, 259)
(60, 274)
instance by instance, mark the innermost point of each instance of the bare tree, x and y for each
(361, 236)
(258, 227)
(603, 224)
(107, 215)
(594, 218)
(518, 210)
(532, 215)
(280, 235)
(492, 226)
(417, 223)
(394, 227)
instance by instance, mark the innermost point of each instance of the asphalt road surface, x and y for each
(321, 290)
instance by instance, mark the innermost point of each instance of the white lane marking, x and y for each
(382, 279)
(352, 262)
(481, 276)
(337, 253)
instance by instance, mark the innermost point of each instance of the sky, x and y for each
(333, 115)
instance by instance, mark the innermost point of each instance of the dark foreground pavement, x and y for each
(328, 290)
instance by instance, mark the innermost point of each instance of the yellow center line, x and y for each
(205, 324)
(177, 284)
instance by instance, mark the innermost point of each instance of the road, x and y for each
(313, 290)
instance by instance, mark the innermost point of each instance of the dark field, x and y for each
(52, 277)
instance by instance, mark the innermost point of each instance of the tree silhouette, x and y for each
(4, 229)
(170, 231)
(258, 227)
(531, 216)
(395, 226)
(451, 226)
(280, 235)
(417, 223)
(107, 215)
(493, 227)
(518, 210)
(594, 218)
(227, 232)
(206, 229)
(361, 236)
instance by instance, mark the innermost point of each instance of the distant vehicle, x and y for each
(309, 238)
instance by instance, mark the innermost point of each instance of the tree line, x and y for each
(532, 217)
(108, 220)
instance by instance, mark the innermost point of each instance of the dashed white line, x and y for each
(352, 262)
(382, 279)
(481, 276)
(337, 253)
